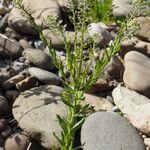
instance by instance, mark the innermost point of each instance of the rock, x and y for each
(7, 132)
(41, 9)
(99, 103)
(3, 124)
(124, 7)
(11, 95)
(12, 81)
(24, 44)
(36, 109)
(100, 85)
(135, 107)
(3, 10)
(105, 131)
(17, 141)
(147, 142)
(9, 48)
(144, 32)
(136, 45)
(100, 30)
(121, 7)
(4, 107)
(44, 76)
(137, 72)
(38, 58)
(27, 84)
(57, 41)
(114, 69)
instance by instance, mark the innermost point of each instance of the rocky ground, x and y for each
(30, 85)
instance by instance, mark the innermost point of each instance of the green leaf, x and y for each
(62, 123)
(78, 125)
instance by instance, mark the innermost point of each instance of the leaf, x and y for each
(78, 125)
(62, 123)
(59, 140)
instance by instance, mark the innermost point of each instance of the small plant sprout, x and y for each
(80, 80)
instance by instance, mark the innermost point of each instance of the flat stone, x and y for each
(105, 131)
(39, 58)
(36, 109)
(44, 76)
(135, 107)
(137, 72)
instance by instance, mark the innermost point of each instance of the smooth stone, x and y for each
(7, 132)
(12, 81)
(57, 40)
(44, 76)
(98, 29)
(105, 131)
(144, 31)
(9, 48)
(99, 103)
(24, 44)
(121, 7)
(135, 107)
(137, 72)
(36, 109)
(114, 69)
(3, 124)
(27, 84)
(41, 9)
(124, 7)
(39, 58)
(136, 45)
(17, 141)
(11, 95)
(4, 107)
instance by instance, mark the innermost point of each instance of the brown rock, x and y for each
(27, 84)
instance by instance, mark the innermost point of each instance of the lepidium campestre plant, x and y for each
(79, 80)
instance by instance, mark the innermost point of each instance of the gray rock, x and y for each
(36, 109)
(105, 131)
(44, 76)
(38, 58)
(137, 72)
(135, 107)
(41, 9)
